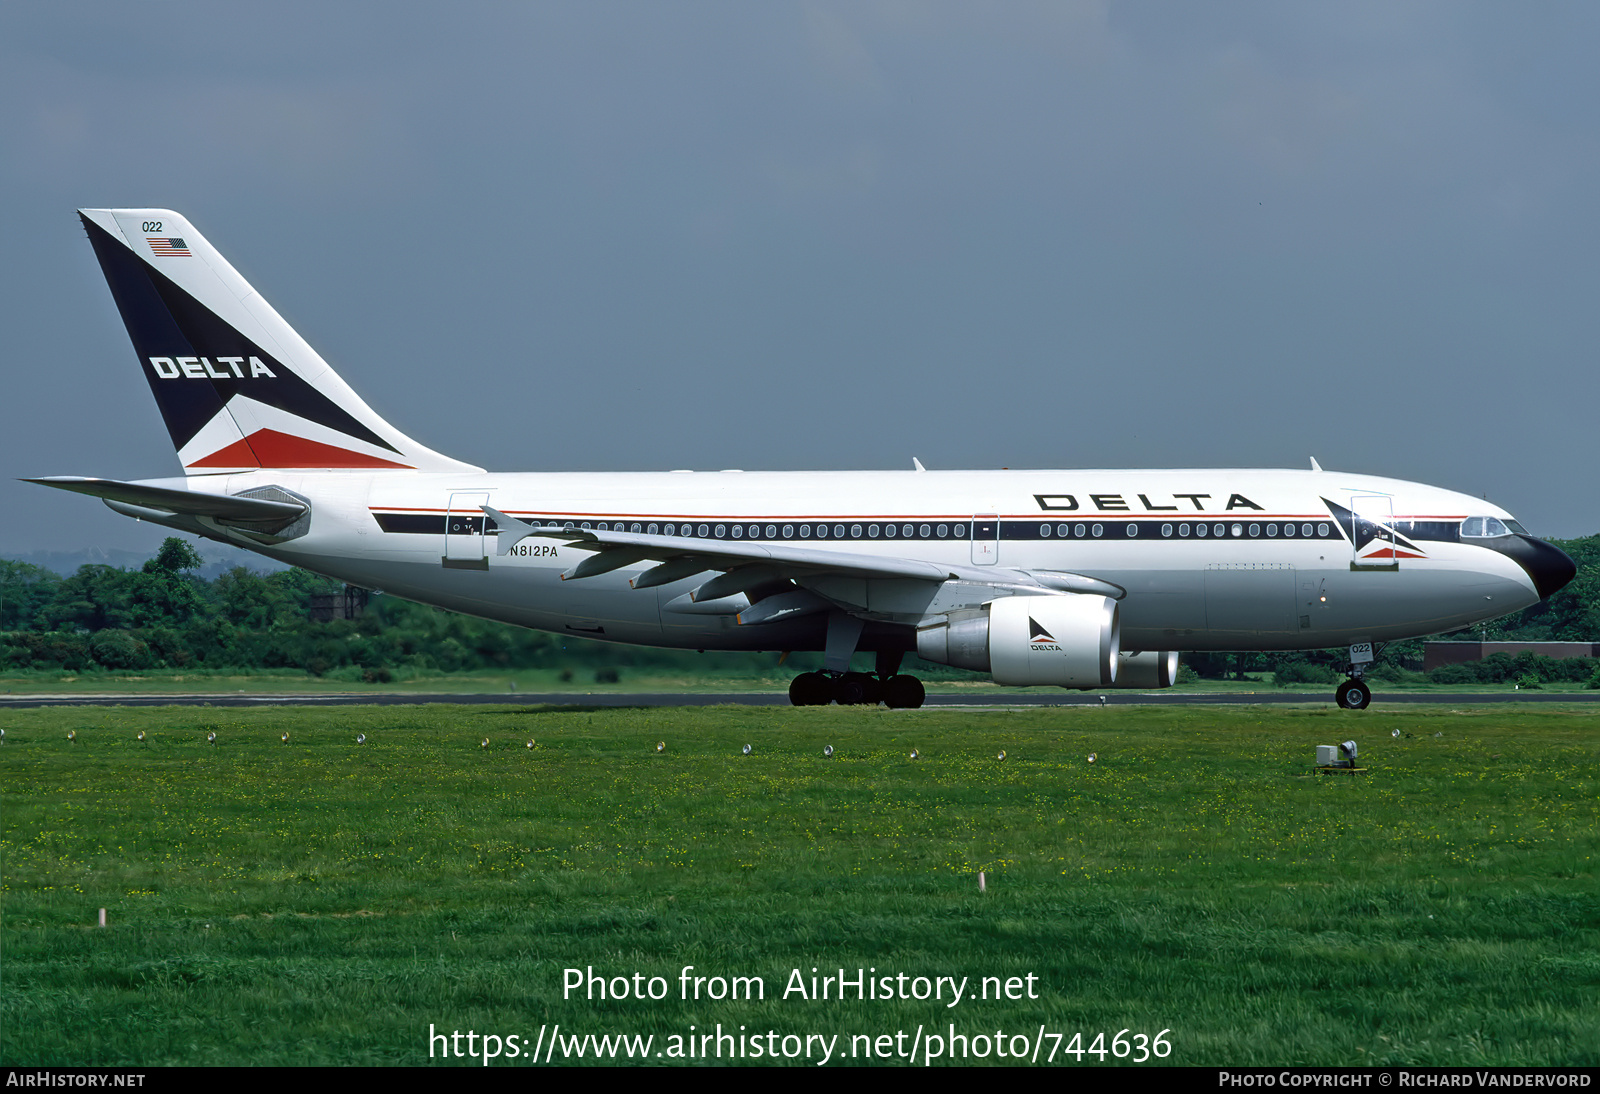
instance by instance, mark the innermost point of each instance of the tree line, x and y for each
(164, 616)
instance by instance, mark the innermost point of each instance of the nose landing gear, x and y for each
(1353, 694)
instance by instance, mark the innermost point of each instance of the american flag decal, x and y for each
(174, 247)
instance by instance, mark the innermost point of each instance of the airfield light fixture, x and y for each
(361, 738)
(285, 736)
(827, 750)
(1349, 750)
(1395, 734)
(1002, 755)
(531, 742)
(746, 750)
(661, 746)
(1093, 756)
(212, 737)
(913, 754)
(72, 735)
(141, 735)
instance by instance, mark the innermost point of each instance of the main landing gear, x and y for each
(816, 689)
(836, 684)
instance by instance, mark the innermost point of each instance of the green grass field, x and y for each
(323, 902)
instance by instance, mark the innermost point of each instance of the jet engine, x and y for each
(1069, 641)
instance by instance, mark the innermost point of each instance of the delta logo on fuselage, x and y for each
(201, 368)
(1116, 503)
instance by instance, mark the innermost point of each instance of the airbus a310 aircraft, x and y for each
(1081, 579)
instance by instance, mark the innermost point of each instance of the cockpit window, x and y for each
(1485, 527)
(1517, 528)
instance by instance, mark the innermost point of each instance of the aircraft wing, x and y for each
(181, 502)
(745, 565)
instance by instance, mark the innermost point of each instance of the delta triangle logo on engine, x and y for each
(1041, 640)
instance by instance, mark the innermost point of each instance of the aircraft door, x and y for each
(985, 539)
(463, 532)
(1373, 546)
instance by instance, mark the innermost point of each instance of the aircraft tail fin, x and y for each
(238, 388)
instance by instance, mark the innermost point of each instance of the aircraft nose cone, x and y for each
(1548, 565)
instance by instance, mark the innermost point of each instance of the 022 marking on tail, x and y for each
(1120, 569)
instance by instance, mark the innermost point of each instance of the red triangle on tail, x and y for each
(269, 448)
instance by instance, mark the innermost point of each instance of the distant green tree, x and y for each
(163, 592)
(94, 598)
(24, 589)
(174, 557)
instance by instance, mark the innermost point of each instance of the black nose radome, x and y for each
(1548, 565)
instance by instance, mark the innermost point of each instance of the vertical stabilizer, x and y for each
(237, 387)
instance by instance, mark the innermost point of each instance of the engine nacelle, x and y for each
(1147, 670)
(1070, 641)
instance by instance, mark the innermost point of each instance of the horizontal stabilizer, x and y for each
(185, 502)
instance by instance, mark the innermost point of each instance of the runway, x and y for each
(773, 698)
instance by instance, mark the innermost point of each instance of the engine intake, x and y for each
(1070, 641)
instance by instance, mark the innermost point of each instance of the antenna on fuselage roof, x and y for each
(1315, 466)
(917, 464)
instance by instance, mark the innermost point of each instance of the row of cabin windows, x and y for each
(785, 531)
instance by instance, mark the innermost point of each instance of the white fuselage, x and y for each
(1209, 559)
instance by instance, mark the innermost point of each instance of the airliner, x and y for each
(1086, 579)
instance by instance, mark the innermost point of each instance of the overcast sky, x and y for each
(836, 235)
